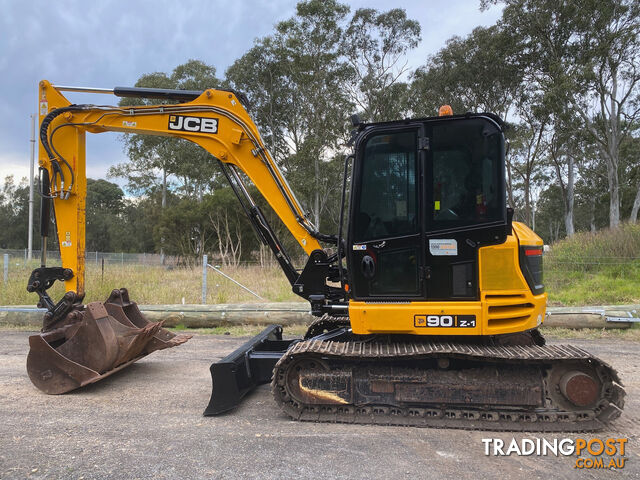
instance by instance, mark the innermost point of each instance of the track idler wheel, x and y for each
(580, 388)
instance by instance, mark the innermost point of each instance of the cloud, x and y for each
(112, 43)
(14, 164)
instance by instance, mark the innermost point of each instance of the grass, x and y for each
(160, 285)
(628, 334)
(587, 269)
(595, 269)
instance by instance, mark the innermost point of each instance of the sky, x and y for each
(109, 43)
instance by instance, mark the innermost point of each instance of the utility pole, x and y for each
(33, 148)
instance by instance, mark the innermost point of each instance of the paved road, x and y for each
(145, 422)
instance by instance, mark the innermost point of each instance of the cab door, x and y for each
(464, 202)
(384, 243)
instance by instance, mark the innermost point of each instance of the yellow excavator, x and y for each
(428, 299)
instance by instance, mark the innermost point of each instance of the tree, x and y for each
(561, 153)
(476, 73)
(375, 45)
(548, 225)
(181, 159)
(613, 79)
(296, 91)
(232, 239)
(104, 227)
(527, 151)
(630, 152)
(183, 229)
(14, 208)
(587, 51)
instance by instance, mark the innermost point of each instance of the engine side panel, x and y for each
(507, 304)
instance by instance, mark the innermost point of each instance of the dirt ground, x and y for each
(146, 422)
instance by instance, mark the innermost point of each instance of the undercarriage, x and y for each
(515, 383)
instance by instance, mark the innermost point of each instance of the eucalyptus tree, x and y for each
(375, 45)
(14, 206)
(297, 96)
(149, 154)
(584, 54)
(479, 72)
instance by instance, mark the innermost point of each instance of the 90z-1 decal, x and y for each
(444, 321)
(193, 124)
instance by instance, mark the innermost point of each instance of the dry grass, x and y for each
(160, 285)
(628, 334)
(587, 269)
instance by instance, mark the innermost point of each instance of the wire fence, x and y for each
(21, 256)
(553, 267)
(592, 265)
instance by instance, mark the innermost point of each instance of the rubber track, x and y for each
(538, 419)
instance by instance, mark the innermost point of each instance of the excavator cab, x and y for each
(425, 195)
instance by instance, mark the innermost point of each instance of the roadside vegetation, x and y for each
(601, 268)
(161, 285)
(629, 334)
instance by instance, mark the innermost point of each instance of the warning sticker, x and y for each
(67, 240)
(443, 246)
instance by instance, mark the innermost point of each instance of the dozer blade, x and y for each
(94, 343)
(245, 368)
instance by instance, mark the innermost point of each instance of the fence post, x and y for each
(204, 279)
(6, 267)
(96, 257)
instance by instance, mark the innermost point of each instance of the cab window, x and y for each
(465, 174)
(387, 205)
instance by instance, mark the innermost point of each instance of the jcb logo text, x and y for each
(193, 124)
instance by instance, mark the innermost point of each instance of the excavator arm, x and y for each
(214, 119)
(115, 333)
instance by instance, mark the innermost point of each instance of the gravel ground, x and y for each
(146, 422)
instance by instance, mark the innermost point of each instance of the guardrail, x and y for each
(290, 313)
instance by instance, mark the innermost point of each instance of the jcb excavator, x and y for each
(428, 298)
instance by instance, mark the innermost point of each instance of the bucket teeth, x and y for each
(94, 343)
(127, 312)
